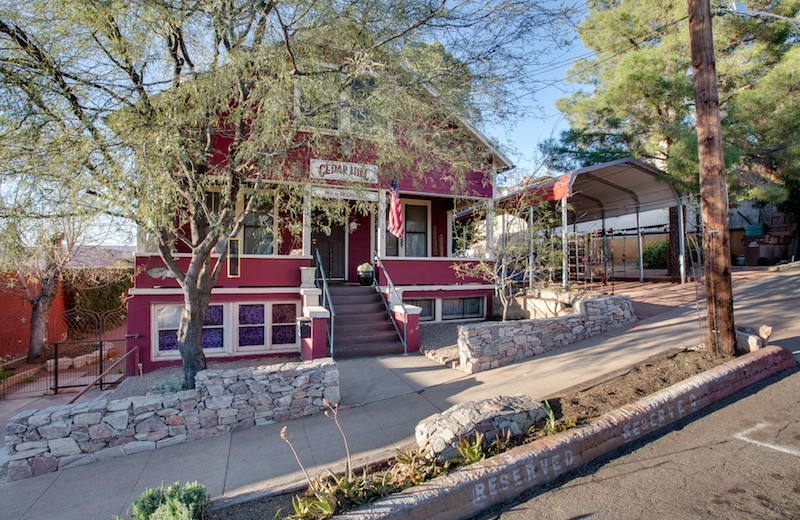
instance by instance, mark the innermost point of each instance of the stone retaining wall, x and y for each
(487, 345)
(59, 437)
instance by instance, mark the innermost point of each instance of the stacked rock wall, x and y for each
(41, 441)
(487, 345)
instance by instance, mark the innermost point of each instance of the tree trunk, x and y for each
(40, 317)
(190, 336)
(713, 188)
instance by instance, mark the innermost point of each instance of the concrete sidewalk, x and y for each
(382, 401)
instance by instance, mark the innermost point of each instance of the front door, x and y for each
(331, 246)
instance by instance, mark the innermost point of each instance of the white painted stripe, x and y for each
(742, 436)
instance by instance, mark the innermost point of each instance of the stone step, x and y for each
(365, 337)
(370, 349)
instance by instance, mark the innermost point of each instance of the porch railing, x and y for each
(321, 282)
(392, 292)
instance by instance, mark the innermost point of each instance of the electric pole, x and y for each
(721, 337)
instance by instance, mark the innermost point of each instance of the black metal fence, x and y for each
(90, 341)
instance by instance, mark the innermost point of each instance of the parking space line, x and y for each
(742, 436)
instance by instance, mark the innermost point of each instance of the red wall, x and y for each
(425, 272)
(255, 272)
(358, 246)
(15, 319)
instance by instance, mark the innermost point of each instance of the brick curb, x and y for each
(469, 490)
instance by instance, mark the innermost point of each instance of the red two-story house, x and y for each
(298, 293)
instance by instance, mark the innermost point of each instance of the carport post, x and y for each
(605, 245)
(639, 244)
(531, 252)
(681, 241)
(564, 245)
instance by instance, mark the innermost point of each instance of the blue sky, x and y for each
(520, 140)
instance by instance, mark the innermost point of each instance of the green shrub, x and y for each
(172, 509)
(655, 255)
(175, 502)
(172, 384)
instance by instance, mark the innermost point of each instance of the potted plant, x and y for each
(365, 273)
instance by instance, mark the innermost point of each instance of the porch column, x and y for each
(681, 241)
(449, 236)
(380, 239)
(640, 246)
(564, 246)
(490, 230)
(315, 346)
(307, 222)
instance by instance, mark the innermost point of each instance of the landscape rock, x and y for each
(441, 433)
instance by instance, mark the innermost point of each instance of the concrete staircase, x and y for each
(362, 326)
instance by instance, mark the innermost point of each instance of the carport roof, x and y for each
(607, 190)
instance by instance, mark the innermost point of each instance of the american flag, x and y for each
(395, 212)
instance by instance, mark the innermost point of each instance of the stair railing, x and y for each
(321, 281)
(392, 294)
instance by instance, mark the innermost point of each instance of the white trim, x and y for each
(316, 311)
(307, 222)
(406, 309)
(372, 238)
(169, 291)
(470, 287)
(436, 258)
(333, 192)
(380, 230)
(443, 195)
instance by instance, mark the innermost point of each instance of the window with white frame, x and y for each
(266, 326)
(462, 308)
(283, 318)
(252, 326)
(416, 235)
(428, 307)
(166, 319)
(257, 231)
(231, 328)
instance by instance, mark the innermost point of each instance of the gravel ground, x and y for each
(141, 385)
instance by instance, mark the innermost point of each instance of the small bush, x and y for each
(172, 509)
(175, 502)
(172, 384)
(655, 255)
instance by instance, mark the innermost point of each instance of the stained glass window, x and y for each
(284, 331)
(251, 325)
(167, 318)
